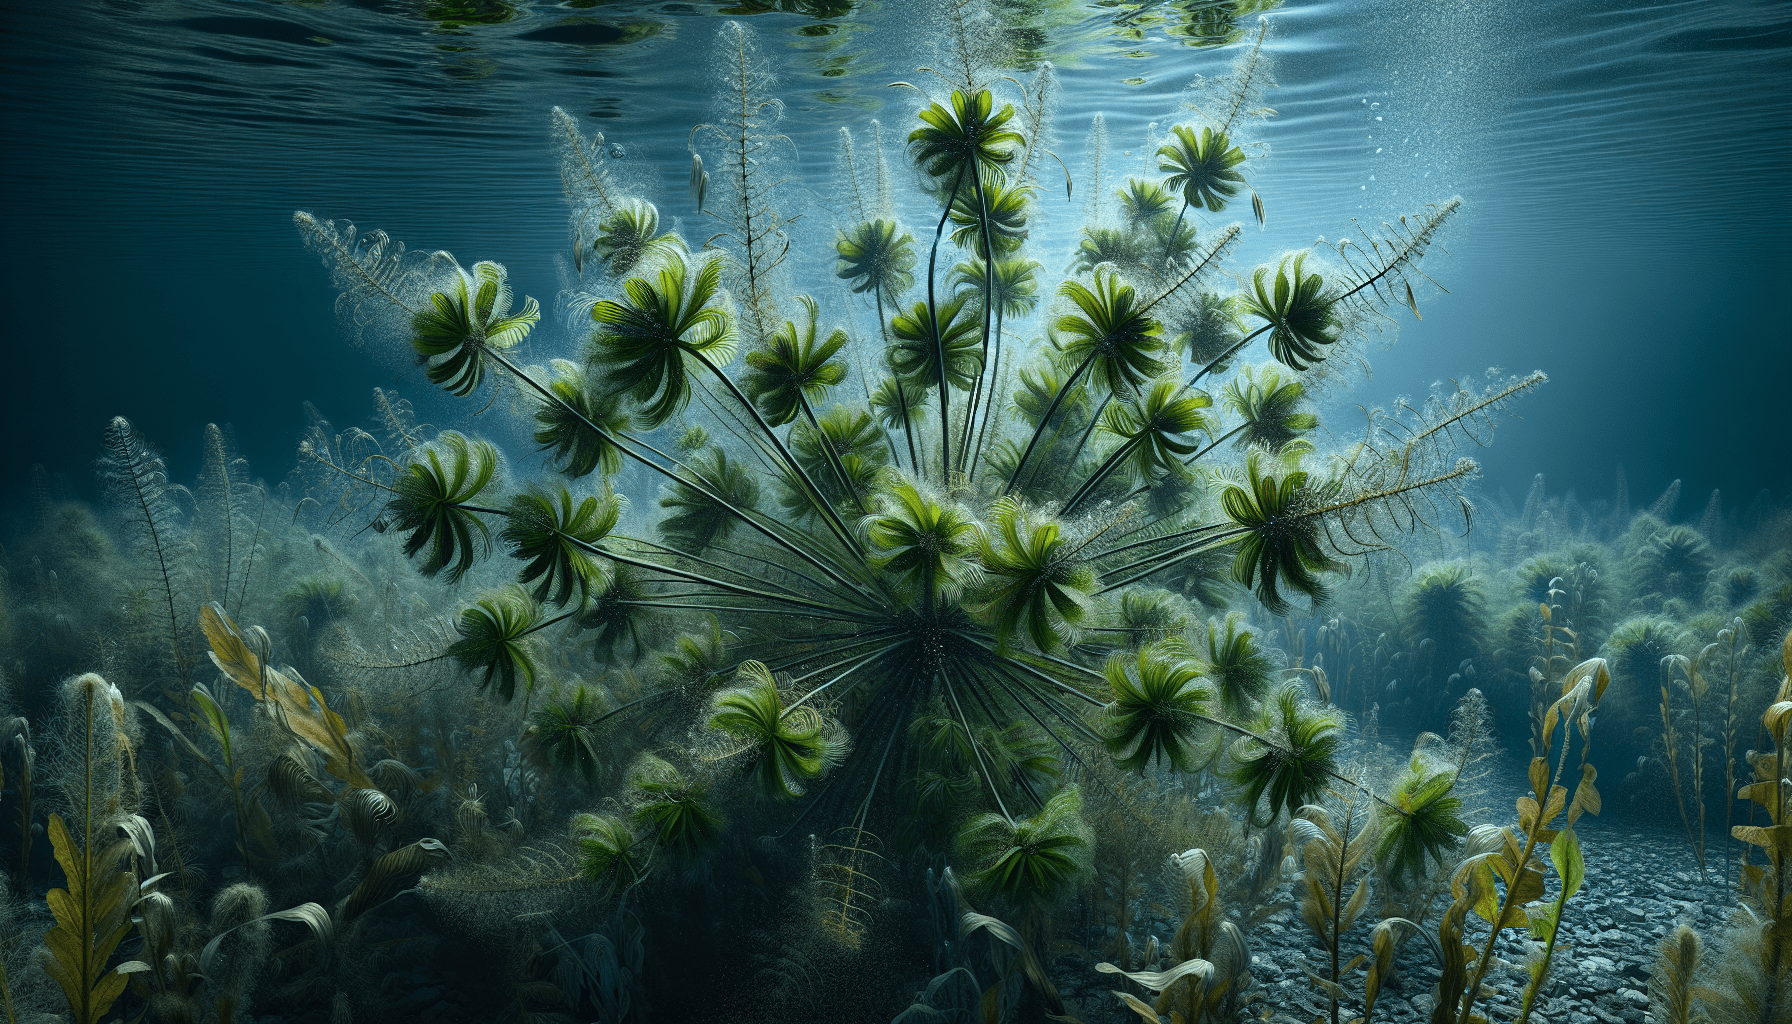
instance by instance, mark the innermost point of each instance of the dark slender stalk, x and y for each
(901, 395)
(1089, 430)
(1046, 418)
(989, 779)
(861, 663)
(822, 504)
(994, 406)
(742, 554)
(1126, 447)
(939, 343)
(615, 440)
(1170, 557)
(1170, 243)
(989, 269)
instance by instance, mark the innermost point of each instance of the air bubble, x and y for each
(1374, 106)
(615, 150)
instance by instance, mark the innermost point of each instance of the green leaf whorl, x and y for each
(1032, 581)
(1031, 862)
(428, 500)
(1304, 319)
(494, 640)
(553, 537)
(453, 334)
(1155, 716)
(1297, 757)
(792, 747)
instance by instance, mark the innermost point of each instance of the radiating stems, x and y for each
(939, 343)
(994, 406)
(883, 329)
(861, 663)
(614, 440)
(826, 507)
(1101, 472)
(1046, 418)
(989, 269)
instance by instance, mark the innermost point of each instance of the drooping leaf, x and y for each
(429, 505)
(461, 324)
(494, 640)
(789, 747)
(1033, 578)
(296, 706)
(1155, 713)
(553, 537)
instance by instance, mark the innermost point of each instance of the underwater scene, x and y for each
(909, 511)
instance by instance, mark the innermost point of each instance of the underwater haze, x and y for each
(988, 511)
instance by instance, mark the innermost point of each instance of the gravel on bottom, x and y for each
(1640, 884)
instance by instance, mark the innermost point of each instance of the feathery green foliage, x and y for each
(556, 540)
(1424, 822)
(1292, 762)
(644, 340)
(793, 371)
(1302, 315)
(675, 810)
(93, 913)
(922, 541)
(564, 425)
(430, 505)
(1203, 168)
(1157, 711)
(971, 135)
(631, 236)
(454, 335)
(876, 256)
(608, 850)
(789, 746)
(1269, 404)
(494, 640)
(1282, 545)
(1240, 670)
(1110, 333)
(948, 327)
(1033, 579)
(1031, 862)
(562, 736)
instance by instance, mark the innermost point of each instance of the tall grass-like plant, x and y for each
(93, 911)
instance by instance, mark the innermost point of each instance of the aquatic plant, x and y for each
(1502, 872)
(1204, 976)
(93, 914)
(905, 574)
(1444, 613)
(1672, 563)
(18, 758)
(1334, 845)
(1757, 953)
(1425, 822)
(1671, 980)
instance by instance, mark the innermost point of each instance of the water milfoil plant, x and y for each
(922, 515)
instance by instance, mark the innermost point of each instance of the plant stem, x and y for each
(933, 326)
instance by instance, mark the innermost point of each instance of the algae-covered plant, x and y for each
(867, 607)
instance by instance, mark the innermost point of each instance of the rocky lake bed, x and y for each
(1642, 881)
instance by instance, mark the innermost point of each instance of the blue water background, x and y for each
(1624, 169)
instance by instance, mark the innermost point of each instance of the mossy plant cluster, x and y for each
(848, 655)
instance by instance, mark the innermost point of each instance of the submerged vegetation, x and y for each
(967, 640)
